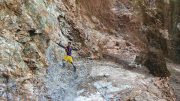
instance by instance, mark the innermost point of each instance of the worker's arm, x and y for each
(74, 48)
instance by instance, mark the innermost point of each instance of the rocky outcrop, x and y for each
(155, 31)
(160, 26)
(155, 62)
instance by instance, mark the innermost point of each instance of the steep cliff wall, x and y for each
(118, 30)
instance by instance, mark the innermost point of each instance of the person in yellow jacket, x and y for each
(68, 58)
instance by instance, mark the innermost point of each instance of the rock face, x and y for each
(136, 34)
(174, 29)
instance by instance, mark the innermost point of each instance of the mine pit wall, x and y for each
(154, 23)
(160, 32)
(95, 26)
(161, 20)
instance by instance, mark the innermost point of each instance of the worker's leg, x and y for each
(63, 63)
(74, 66)
(64, 60)
(70, 60)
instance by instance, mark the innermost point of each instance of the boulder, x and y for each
(156, 64)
